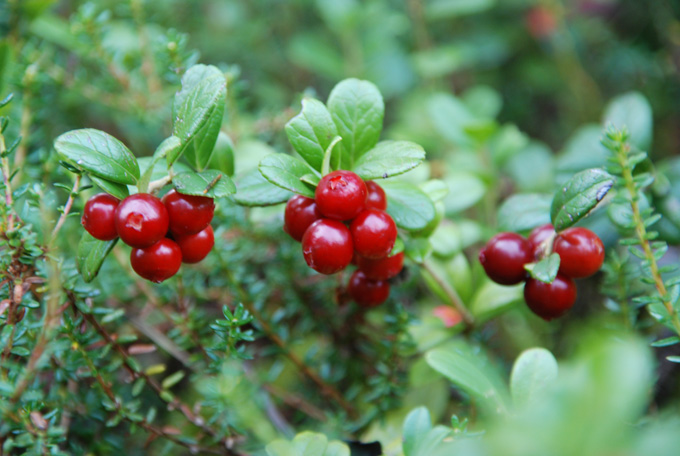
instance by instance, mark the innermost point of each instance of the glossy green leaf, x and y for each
(210, 183)
(418, 249)
(99, 154)
(254, 190)
(524, 211)
(285, 171)
(389, 158)
(120, 191)
(198, 111)
(469, 369)
(546, 269)
(311, 132)
(409, 206)
(357, 109)
(579, 196)
(91, 254)
(465, 190)
(534, 372)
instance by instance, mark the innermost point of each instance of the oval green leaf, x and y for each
(98, 153)
(198, 111)
(470, 370)
(524, 211)
(357, 109)
(91, 254)
(533, 372)
(254, 190)
(286, 171)
(579, 196)
(408, 205)
(311, 132)
(210, 183)
(546, 269)
(389, 158)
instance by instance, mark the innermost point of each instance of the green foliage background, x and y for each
(508, 97)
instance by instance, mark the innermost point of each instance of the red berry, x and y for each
(367, 292)
(141, 220)
(504, 257)
(98, 216)
(581, 252)
(341, 195)
(197, 246)
(300, 213)
(373, 233)
(158, 262)
(550, 300)
(327, 246)
(382, 268)
(376, 197)
(188, 214)
(538, 235)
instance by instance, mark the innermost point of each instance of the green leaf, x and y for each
(172, 380)
(533, 373)
(210, 183)
(436, 189)
(416, 426)
(311, 179)
(492, 299)
(198, 111)
(169, 146)
(579, 196)
(408, 205)
(389, 158)
(254, 190)
(311, 132)
(98, 153)
(468, 368)
(546, 269)
(357, 109)
(223, 155)
(443, 9)
(91, 254)
(286, 171)
(310, 444)
(524, 211)
(120, 191)
(633, 111)
(418, 249)
(465, 190)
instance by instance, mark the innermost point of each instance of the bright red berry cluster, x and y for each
(163, 233)
(581, 255)
(347, 221)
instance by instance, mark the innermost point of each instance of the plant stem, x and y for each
(642, 235)
(8, 185)
(67, 207)
(452, 294)
(326, 389)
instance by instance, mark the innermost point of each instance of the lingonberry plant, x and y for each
(257, 257)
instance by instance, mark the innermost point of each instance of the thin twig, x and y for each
(326, 389)
(451, 293)
(67, 207)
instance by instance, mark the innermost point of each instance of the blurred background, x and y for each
(506, 96)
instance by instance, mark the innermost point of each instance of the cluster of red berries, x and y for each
(163, 233)
(581, 255)
(346, 222)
